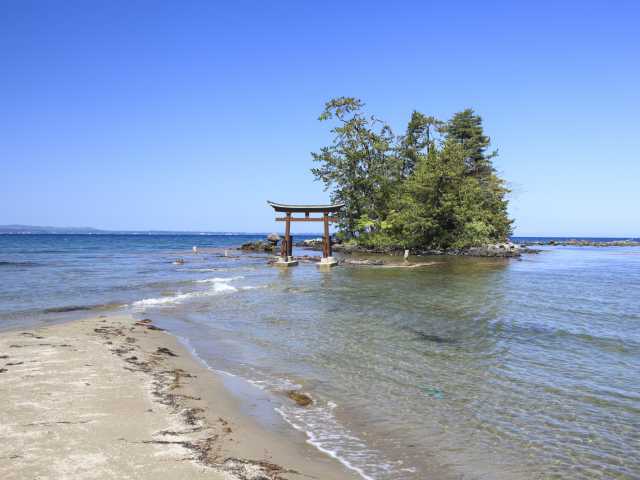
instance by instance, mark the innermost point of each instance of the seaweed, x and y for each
(300, 398)
(166, 351)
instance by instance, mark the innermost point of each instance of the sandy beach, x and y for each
(112, 397)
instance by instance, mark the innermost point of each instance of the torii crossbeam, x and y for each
(286, 248)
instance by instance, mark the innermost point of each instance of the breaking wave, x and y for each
(219, 286)
(218, 280)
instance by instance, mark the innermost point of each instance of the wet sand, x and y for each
(112, 397)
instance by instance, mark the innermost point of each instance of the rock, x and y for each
(311, 243)
(494, 250)
(258, 246)
(273, 238)
(364, 262)
(302, 399)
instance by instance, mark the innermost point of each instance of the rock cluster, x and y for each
(273, 238)
(506, 249)
(258, 246)
(587, 243)
(268, 245)
(311, 243)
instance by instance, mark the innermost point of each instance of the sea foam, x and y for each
(220, 285)
(218, 280)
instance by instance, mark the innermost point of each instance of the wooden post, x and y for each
(287, 235)
(326, 240)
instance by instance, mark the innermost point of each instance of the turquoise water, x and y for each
(470, 368)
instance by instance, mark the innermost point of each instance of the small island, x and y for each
(432, 189)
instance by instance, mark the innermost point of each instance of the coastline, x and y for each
(110, 396)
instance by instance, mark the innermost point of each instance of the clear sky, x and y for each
(189, 115)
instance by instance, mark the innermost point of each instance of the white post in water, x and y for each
(195, 250)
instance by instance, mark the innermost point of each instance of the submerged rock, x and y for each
(364, 262)
(302, 399)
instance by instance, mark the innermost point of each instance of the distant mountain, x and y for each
(25, 229)
(35, 230)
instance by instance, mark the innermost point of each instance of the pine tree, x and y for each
(466, 129)
(418, 139)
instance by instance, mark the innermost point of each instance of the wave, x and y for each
(325, 433)
(175, 299)
(318, 423)
(220, 286)
(218, 280)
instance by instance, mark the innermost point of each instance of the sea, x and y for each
(469, 368)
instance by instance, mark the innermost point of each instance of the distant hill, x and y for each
(39, 230)
(25, 229)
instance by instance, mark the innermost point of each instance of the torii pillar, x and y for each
(286, 249)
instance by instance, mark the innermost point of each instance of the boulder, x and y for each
(258, 246)
(273, 238)
(311, 243)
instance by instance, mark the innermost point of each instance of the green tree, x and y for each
(425, 214)
(433, 187)
(466, 129)
(359, 165)
(418, 139)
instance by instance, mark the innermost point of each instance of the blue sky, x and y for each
(189, 115)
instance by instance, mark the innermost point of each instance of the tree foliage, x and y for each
(432, 187)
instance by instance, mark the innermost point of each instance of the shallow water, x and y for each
(470, 368)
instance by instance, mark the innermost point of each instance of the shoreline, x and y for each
(111, 396)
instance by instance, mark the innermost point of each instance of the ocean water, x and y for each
(469, 368)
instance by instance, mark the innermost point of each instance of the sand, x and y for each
(109, 397)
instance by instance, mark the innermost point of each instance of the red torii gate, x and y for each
(286, 247)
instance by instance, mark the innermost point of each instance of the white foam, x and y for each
(275, 384)
(219, 279)
(335, 441)
(331, 442)
(216, 289)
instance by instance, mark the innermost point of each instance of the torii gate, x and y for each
(286, 248)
